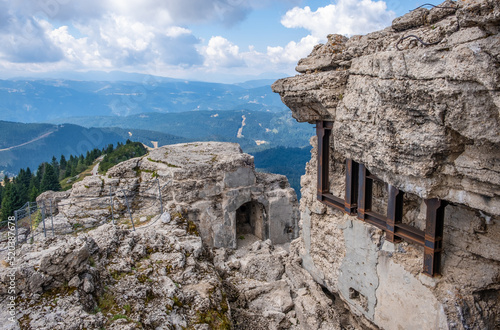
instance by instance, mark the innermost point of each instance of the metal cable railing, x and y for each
(35, 219)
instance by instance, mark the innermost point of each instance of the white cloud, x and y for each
(177, 31)
(293, 51)
(139, 35)
(220, 52)
(347, 17)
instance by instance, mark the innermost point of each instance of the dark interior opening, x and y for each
(250, 219)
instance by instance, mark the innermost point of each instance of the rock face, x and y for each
(267, 288)
(155, 278)
(214, 184)
(424, 119)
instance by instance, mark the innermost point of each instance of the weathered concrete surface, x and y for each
(425, 119)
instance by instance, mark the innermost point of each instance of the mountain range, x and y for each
(29, 101)
(41, 118)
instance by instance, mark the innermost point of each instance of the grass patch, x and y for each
(107, 303)
(77, 226)
(120, 316)
(172, 165)
(67, 183)
(192, 229)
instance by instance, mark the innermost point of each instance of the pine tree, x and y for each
(1, 194)
(7, 203)
(33, 190)
(69, 169)
(81, 166)
(50, 181)
(55, 165)
(33, 194)
(40, 172)
(63, 163)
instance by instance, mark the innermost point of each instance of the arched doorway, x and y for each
(251, 219)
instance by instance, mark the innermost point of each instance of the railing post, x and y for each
(128, 208)
(43, 220)
(111, 203)
(323, 131)
(31, 224)
(159, 194)
(15, 218)
(351, 187)
(433, 245)
(365, 188)
(394, 212)
(52, 218)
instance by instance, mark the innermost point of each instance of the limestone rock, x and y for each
(113, 277)
(212, 182)
(413, 116)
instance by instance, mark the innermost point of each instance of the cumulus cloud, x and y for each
(220, 52)
(26, 41)
(171, 12)
(293, 51)
(347, 17)
(133, 35)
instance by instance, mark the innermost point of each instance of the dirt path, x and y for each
(95, 170)
(25, 143)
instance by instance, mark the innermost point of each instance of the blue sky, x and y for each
(210, 40)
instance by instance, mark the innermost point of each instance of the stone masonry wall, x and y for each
(424, 119)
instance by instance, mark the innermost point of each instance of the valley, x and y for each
(40, 119)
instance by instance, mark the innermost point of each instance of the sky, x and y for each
(209, 40)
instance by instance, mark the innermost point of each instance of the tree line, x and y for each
(27, 186)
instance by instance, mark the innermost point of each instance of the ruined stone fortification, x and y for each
(424, 119)
(214, 184)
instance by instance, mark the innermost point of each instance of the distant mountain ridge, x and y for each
(41, 100)
(261, 130)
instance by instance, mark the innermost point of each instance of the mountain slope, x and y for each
(31, 144)
(259, 130)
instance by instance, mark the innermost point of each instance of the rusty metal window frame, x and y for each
(349, 203)
(358, 201)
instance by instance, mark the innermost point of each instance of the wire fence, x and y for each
(52, 217)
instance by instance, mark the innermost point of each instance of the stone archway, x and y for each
(251, 219)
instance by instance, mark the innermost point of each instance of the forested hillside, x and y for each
(65, 140)
(60, 174)
(290, 162)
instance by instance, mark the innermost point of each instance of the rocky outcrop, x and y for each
(116, 278)
(422, 117)
(161, 275)
(269, 289)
